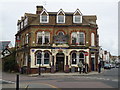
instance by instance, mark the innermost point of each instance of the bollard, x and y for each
(17, 82)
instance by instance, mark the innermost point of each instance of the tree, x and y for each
(9, 63)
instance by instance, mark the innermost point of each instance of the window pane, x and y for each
(44, 18)
(74, 59)
(74, 38)
(77, 18)
(39, 37)
(38, 58)
(60, 18)
(46, 58)
(81, 38)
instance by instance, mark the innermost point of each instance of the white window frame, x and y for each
(43, 36)
(22, 25)
(80, 38)
(27, 38)
(47, 58)
(18, 27)
(40, 58)
(44, 10)
(72, 58)
(60, 16)
(74, 19)
(25, 21)
(73, 33)
(41, 16)
(92, 39)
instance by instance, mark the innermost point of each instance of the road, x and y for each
(107, 79)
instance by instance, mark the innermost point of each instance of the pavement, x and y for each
(67, 74)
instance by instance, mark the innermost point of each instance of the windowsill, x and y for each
(77, 45)
(44, 22)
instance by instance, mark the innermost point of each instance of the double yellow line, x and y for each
(46, 84)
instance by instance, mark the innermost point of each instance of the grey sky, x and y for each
(106, 11)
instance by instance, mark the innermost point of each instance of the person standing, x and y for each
(80, 65)
(84, 68)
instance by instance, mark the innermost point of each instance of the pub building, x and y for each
(56, 41)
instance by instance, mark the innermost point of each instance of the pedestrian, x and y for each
(80, 65)
(99, 67)
(84, 68)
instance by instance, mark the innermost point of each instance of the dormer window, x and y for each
(44, 17)
(77, 16)
(60, 16)
(22, 25)
(18, 26)
(26, 21)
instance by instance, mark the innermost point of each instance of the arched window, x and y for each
(81, 38)
(92, 39)
(38, 57)
(81, 57)
(46, 58)
(47, 37)
(74, 37)
(60, 33)
(74, 58)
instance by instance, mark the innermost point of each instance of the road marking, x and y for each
(45, 84)
(7, 81)
(115, 80)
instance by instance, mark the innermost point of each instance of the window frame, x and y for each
(72, 59)
(47, 58)
(74, 19)
(39, 58)
(63, 16)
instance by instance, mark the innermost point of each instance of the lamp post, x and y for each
(39, 68)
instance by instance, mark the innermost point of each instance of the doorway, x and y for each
(60, 62)
(93, 64)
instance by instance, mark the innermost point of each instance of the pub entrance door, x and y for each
(60, 62)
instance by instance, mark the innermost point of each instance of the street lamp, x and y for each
(39, 68)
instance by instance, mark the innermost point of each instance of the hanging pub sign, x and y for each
(86, 53)
(60, 38)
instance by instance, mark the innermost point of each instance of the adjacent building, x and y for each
(57, 41)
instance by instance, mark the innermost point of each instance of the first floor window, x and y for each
(43, 37)
(74, 58)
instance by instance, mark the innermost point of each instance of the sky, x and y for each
(105, 10)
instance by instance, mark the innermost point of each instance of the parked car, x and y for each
(112, 65)
(117, 66)
(107, 66)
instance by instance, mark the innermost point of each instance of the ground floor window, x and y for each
(46, 58)
(81, 57)
(38, 57)
(74, 58)
(42, 57)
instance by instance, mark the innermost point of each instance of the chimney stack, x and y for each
(39, 9)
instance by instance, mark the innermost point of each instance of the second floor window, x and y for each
(60, 19)
(43, 37)
(44, 19)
